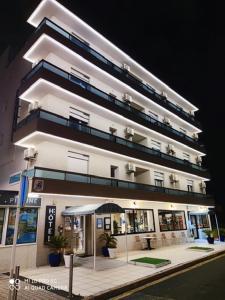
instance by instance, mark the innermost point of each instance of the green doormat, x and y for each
(202, 249)
(150, 262)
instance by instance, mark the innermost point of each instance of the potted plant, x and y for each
(210, 235)
(66, 256)
(57, 243)
(110, 245)
(222, 234)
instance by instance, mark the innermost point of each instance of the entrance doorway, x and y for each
(194, 223)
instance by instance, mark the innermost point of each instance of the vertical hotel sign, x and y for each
(50, 217)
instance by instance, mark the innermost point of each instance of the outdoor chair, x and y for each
(156, 241)
(165, 240)
(141, 243)
(174, 238)
(184, 238)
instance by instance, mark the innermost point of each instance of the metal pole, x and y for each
(126, 237)
(71, 277)
(13, 251)
(217, 227)
(16, 282)
(94, 241)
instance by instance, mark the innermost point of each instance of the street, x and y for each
(205, 282)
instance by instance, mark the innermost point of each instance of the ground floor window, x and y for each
(27, 226)
(138, 221)
(203, 221)
(172, 220)
(2, 216)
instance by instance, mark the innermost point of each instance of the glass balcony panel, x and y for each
(77, 178)
(53, 118)
(101, 181)
(49, 174)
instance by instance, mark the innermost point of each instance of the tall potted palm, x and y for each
(57, 244)
(110, 245)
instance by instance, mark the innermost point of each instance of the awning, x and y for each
(90, 209)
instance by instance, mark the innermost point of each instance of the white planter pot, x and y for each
(67, 260)
(112, 252)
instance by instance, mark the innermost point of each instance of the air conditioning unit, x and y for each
(195, 136)
(202, 185)
(173, 178)
(129, 132)
(30, 154)
(33, 106)
(127, 98)
(131, 168)
(198, 159)
(164, 94)
(166, 121)
(126, 67)
(171, 149)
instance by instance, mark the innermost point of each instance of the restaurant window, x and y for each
(159, 179)
(172, 220)
(203, 221)
(2, 216)
(27, 230)
(138, 221)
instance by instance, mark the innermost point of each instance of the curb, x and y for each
(138, 283)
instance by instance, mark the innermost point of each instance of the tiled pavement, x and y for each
(26, 291)
(88, 282)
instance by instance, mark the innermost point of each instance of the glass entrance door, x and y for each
(194, 222)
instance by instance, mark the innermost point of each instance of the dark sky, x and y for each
(180, 41)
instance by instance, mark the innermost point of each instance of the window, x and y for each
(184, 131)
(153, 115)
(78, 116)
(186, 156)
(2, 216)
(190, 185)
(172, 220)
(27, 230)
(203, 221)
(138, 221)
(114, 171)
(156, 145)
(159, 179)
(77, 162)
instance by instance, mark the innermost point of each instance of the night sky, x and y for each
(181, 42)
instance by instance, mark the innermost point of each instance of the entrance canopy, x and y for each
(90, 209)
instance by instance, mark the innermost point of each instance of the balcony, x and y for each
(55, 75)
(54, 124)
(63, 182)
(83, 49)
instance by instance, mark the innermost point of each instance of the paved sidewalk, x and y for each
(88, 282)
(26, 292)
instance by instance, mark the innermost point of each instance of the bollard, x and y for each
(16, 283)
(71, 277)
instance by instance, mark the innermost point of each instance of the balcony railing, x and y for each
(45, 173)
(42, 114)
(118, 103)
(146, 88)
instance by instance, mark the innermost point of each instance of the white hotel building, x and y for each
(93, 126)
